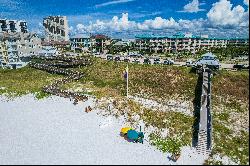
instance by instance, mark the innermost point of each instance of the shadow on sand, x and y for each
(196, 112)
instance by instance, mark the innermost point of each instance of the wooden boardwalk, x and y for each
(205, 126)
(60, 65)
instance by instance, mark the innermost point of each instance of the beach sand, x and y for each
(54, 131)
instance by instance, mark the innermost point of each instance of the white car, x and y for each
(189, 62)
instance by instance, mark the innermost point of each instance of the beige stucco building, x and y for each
(15, 47)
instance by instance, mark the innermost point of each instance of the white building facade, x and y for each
(80, 42)
(11, 26)
(15, 47)
(181, 43)
(56, 28)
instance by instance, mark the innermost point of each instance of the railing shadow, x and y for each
(196, 112)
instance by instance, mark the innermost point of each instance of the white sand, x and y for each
(172, 105)
(54, 131)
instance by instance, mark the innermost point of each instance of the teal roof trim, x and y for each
(181, 36)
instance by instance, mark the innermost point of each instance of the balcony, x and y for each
(4, 28)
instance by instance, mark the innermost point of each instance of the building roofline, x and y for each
(184, 37)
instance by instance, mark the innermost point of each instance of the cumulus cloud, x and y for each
(124, 24)
(158, 23)
(196, 24)
(116, 24)
(246, 2)
(192, 7)
(224, 14)
(222, 20)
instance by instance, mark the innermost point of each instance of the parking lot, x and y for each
(152, 60)
(138, 60)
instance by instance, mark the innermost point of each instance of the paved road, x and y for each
(141, 60)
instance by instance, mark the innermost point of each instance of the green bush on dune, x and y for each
(24, 80)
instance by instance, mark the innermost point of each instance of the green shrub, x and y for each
(171, 145)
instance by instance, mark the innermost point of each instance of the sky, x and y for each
(127, 18)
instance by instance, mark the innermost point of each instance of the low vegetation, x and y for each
(104, 79)
(24, 80)
(230, 94)
(172, 145)
(156, 81)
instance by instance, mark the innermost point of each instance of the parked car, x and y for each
(157, 61)
(208, 60)
(240, 66)
(136, 61)
(189, 63)
(97, 54)
(110, 57)
(135, 55)
(146, 61)
(168, 62)
(126, 60)
(117, 58)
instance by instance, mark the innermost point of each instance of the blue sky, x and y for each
(128, 17)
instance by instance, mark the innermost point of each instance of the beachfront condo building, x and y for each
(18, 47)
(13, 26)
(56, 28)
(184, 43)
(100, 43)
(3, 52)
(80, 43)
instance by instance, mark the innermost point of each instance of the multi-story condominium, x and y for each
(56, 28)
(80, 42)
(48, 51)
(30, 44)
(3, 52)
(19, 46)
(61, 46)
(183, 42)
(13, 26)
(238, 41)
(100, 43)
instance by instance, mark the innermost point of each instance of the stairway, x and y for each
(202, 143)
(203, 146)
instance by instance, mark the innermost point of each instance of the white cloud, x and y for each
(80, 27)
(144, 14)
(116, 24)
(112, 3)
(222, 14)
(158, 23)
(71, 28)
(220, 19)
(196, 24)
(193, 7)
(123, 24)
(246, 2)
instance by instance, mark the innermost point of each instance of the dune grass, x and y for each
(230, 95)
(230, 91)
(24, 80)
(154, 80)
